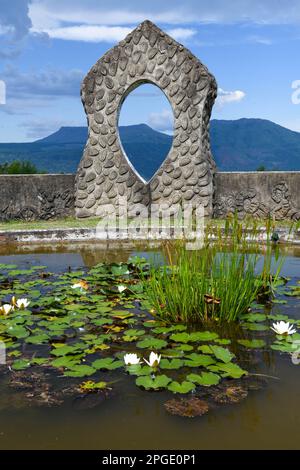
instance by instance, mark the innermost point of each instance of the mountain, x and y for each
(245, 144)
(66, 135)
(61, 151)
(239, 145)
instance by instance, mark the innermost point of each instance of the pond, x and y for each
(43, 404)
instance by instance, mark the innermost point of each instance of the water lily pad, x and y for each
(121, 315)
(139, 369)
(184, 347)
(152, 343)
(229, 370)
(205, 349)
(255, 317)
(66, 350)
(21, 364)
(284, 346)
(80, 371)
(187, 407)
(173, 352)
(151, 323)
(255, 326)
(222, 341)
(197, 360)
(223, 354)
(66, 361)
(181, 337)
(183, 387)
(294, 293)
(18, 332)
(193, 337)
(37, 339)
(149, 383)
(204, 336)
(252, 343)
(172, 364)
(108, 363)
(102, 321)
(205, 378)
(133, 332)
(168, 329)
(120, 270)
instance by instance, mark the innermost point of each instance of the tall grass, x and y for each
(218, 282)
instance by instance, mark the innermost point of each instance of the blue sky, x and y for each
(47, 46)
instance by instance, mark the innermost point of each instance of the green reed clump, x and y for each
(218, 282)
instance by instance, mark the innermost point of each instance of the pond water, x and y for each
(132, 418)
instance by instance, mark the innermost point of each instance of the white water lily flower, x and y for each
(6, 309)
(154, 359)
(82, 285)
(121, 288)
(283, 328)
(76, 286)
(22, 303)
(131, 359)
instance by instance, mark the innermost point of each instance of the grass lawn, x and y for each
(72, 222)
(69, 222)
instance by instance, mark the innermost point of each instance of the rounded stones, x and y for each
(185, 161)
(87, 162)
(90, 177)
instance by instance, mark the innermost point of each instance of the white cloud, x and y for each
(225, 97)
(260, 40)
(14, 26)
(42, 83)
(96, 33)
(45, 14)
(163, 121)
(37, 89)
(181, 34)
(94, 21)
(88, 33)
(6, 29)
(14, 17)
(115, 12)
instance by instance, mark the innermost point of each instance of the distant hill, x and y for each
(244, 144)
(66, 135)
(240, 145)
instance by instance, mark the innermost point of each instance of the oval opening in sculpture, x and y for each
(146, 125)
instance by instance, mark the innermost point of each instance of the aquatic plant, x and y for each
(218, 282)
(154, 359)
(283, 328)
(80, 334)
(22, 303)
(131, 359)
(82, 285)
(6, 309)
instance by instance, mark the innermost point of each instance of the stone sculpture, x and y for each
(147, 55)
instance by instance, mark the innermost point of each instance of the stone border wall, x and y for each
(258, 194)
(36, 197)
(42, 197)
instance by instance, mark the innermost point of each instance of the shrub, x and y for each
(18, 167)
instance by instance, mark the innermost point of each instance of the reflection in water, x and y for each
(268, 418)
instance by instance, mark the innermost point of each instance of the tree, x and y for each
(261, 168)
(17, 167)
